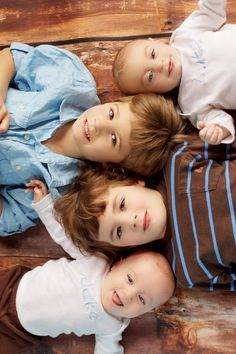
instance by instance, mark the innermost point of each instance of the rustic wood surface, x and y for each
(192, 322)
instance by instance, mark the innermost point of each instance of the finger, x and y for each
(201, 125)
(209, 136)
(29, 189)
(4, 122)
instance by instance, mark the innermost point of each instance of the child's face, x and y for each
(135, 285)
(134, 215)
(102, 133)
(151, 66)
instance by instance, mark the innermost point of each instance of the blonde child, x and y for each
(52, 126)
(82, 296)
(199, 61)
(190, 211)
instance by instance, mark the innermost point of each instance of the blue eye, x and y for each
(111, 113)
(153, 54)
(119, 232)
(141, 299)
(150, 75)
(130, 280)
(122, 204)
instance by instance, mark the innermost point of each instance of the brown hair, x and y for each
(79, 208)
(156, 129)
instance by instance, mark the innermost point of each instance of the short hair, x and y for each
(120, 61)
(79, 208)
(155, 130)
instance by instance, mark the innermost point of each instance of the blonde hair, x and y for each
(155, 130)
(79, 208)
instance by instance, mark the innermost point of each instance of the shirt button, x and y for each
(22, 106)
(18, 167)
(26, 137)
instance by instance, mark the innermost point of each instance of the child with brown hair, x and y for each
(52, 126)
(192, 63)
(190, 209)
(87, 295)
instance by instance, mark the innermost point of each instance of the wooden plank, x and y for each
(72, 20)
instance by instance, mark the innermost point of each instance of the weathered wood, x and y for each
(72, 20)
(95, 30)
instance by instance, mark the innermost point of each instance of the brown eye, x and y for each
(111, 114)
(119, 232)
(130, 280)
(113, 139)
(150, 76)
(122, 204)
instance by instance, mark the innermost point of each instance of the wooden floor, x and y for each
(191, 322)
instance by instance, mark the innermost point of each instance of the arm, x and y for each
(7, 70)
(50, 81)
(110, 344)
(43, 204)
(211, 15)
(216, 126)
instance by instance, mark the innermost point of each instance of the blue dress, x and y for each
(51, 87)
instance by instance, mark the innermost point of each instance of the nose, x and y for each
(159, 65)
(130, 294)
(135, 221)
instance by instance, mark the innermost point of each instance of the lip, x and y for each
(170, 66)
(86, 130)
(146, 221)
(116, 299)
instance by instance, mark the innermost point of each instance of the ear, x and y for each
(141, 183)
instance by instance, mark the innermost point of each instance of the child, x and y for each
(199, 61)
(191, 212)
(83, 296)
(51, 88)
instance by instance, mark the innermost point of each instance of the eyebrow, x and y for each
(114, 203)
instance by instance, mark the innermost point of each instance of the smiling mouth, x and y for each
(116, 299)
(146, 221)
(86, 130)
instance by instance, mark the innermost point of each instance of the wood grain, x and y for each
(193, 321)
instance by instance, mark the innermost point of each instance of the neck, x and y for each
(62, 141)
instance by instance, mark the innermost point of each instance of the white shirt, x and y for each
(64, 296)
(208, 55)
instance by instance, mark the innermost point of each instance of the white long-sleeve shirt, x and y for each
(208, 53)
(64, 296)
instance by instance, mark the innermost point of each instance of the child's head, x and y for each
(147, 65)
(135, 131)
(137, 284)
(155, 129)
(105, 210)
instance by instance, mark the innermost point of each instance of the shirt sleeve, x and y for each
(48, 77)
(110, 344)
(44, 208)
(210, 16)
(220, 117)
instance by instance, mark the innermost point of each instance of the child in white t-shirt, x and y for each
(199, 61)
(82, 296)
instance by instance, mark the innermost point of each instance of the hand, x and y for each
(38, 188)
(4, 117)
(212, 133)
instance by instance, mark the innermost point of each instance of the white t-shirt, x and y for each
(63, 296)
(208, 55)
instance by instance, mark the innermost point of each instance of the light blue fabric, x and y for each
(51, 87)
